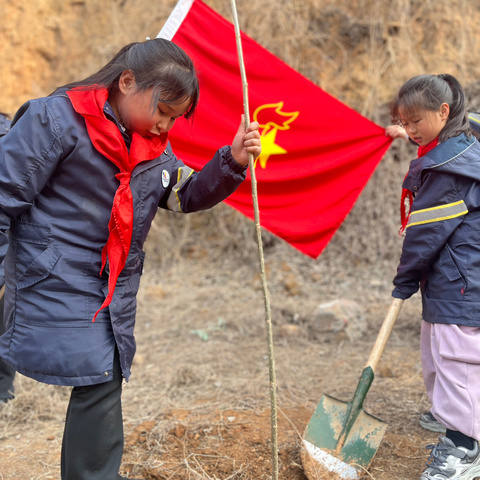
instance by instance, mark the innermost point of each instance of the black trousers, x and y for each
(7, 374)
(92, 445)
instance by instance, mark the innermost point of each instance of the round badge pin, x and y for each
(165, 179)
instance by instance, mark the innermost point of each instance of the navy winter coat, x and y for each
(4, 128)
(56, 195)
(441, 249)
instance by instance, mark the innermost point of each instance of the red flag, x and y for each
(317, 153)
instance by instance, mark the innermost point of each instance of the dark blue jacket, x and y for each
(441, 249)
(56, 195)
(5, 123)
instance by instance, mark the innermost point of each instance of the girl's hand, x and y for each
(396, 131)
(245, 142)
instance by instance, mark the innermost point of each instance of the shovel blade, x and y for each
(360, 446)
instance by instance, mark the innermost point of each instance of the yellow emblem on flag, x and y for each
(272, 119)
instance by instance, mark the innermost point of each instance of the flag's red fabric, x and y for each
(317, 153)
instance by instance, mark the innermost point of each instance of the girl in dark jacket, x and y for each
(82, 173)
(441, 256)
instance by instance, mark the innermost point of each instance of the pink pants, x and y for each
(451, 372)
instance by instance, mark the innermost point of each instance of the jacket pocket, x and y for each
(446, 281)
(40, 268)
(448, 266)
(35, 253)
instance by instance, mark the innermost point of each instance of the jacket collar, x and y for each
(446, 156)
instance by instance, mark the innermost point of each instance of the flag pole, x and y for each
(268, 318)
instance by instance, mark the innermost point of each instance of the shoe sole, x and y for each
(438, 427)
(475, 473)
(471, 475)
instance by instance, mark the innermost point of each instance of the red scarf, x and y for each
(108, 140)
(406, 208)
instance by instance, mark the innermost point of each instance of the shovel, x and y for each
(341, 439)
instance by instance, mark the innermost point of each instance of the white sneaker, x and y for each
(447, 461)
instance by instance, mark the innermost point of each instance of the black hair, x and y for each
(429, 92)
(156, 63)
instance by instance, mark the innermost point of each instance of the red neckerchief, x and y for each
(108, 140)
(405, 208)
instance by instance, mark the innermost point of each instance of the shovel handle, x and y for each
(384, 333)
(367, 376)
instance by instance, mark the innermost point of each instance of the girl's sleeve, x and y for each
(29, 154)
(438, 209)
(193, 191)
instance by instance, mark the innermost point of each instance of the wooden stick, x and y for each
(384, 333)
(268, 319)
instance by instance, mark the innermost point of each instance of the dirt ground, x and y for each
(198, 402)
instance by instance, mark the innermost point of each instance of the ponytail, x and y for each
(457, 121)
